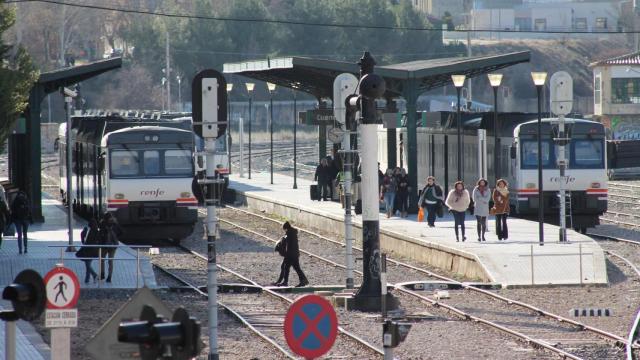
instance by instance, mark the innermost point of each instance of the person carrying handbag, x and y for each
(431, 200)
(90, 235)
(501, 208)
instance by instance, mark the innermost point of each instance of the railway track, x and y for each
(265, 321)
(550, 339)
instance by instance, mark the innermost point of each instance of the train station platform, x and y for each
(519, 261)
(47, 244)
(44, 253)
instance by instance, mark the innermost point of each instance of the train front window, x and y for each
(125, 163)
(587, 154)
(530, 154)
(151, 162)
(178, 162)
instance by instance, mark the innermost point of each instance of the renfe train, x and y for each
(139, 169)
(586, 175)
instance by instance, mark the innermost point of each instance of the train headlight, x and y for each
(119, 196)
(595, 185)
(531, 186)
(185, 194)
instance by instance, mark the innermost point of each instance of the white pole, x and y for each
(241, 143)
(212, 230)
(10, 339)
(563, 165)
(49, 108)
(67, 103)
(168, 74)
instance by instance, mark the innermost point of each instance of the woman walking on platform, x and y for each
(481, 197)
(403, 192)
(458, 202)
(21, 216)
(388, 191)
(430, 199)
(501, 208)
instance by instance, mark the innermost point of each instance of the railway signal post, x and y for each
(343, 86)
(371, 87)
(561, 105)
(210, 122)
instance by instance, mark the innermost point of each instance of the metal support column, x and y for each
(411, 98)
(391, 148)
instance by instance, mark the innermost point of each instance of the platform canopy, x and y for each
(316, 76)
(407, 80)
(24, 153)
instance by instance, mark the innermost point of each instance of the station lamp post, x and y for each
(250, 87)
(458, 82)
(539, 79)
(495, 80)
(272, 88)
(295, 138)
(229, 88)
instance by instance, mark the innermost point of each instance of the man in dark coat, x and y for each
(292, 256)
(323, 177)
(110, 233)
(21, 216)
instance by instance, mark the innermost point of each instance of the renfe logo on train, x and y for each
(152, 193)
(567, 179)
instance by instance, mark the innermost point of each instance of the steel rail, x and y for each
(282, 297)
(629, 263)
(461, 313)
(608, 336)
(230, 310)
(467, 316)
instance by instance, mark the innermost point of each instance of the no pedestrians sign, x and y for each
(63, 291)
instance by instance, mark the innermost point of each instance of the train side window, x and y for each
(151, 162)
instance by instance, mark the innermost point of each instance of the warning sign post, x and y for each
(63, 292)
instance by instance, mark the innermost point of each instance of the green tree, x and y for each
(17, 76)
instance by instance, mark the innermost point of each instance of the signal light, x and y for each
(28, 295)
(155, 335)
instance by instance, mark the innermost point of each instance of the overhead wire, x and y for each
(316, 24)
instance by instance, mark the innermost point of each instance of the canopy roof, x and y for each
(53, 80)
(316, 76)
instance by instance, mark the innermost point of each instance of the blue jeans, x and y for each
(389, 198)
(21, 228)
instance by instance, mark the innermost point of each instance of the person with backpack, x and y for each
(90, 235)
(110, 233)
(291, 256)
(21, 216)
(5, 213)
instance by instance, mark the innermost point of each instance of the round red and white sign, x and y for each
(63, 288)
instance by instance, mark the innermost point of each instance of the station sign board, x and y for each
(316, 117)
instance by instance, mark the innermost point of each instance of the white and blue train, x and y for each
(586, 179)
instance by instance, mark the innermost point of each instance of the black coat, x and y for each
(21, 208)
(292, 250)
(323, 174)
(109, 228)
(89, 237)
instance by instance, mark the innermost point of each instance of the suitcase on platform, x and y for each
(313, 189)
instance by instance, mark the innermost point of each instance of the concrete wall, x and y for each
(399, 245)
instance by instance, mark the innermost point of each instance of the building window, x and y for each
(581, 24)
(625, 91)
(540, 24)
(601, 23)
(597, 89)
(523, 24)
